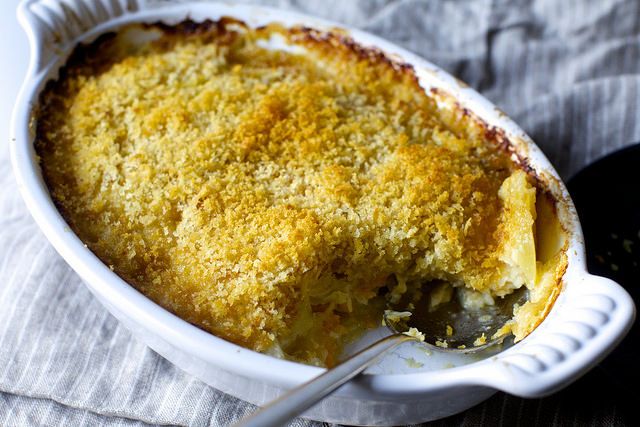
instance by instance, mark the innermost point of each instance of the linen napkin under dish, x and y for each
(566, 71)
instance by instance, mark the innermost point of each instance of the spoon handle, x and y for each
(306, 395)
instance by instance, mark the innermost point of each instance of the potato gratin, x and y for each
(277, 197)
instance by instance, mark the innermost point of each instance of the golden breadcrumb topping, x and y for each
(270, 196)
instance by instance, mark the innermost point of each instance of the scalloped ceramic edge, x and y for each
(591, 315)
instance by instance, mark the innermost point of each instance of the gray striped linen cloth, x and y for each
(567, 71)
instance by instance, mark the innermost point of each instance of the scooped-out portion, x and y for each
(279, 187)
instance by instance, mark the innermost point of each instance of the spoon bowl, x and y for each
(453, 327)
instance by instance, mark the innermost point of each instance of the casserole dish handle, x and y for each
(53, 25)
(596, 315)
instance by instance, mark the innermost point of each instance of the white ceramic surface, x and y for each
(591, 315)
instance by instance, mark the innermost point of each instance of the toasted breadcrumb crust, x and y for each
(271, 197)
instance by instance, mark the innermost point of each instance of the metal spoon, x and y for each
(465, 327)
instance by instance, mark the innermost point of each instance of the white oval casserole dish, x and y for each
(590, 316)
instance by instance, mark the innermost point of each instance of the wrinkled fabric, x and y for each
(566, 71)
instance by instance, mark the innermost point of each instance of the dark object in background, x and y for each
(607, 197)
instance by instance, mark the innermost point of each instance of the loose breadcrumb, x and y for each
(481, 340)
(413, 332)
(442, 343)
(413, 363)
(394, 316)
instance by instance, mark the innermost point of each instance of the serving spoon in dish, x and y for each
(449, 327)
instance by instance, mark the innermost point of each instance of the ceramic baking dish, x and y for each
(590, 316)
